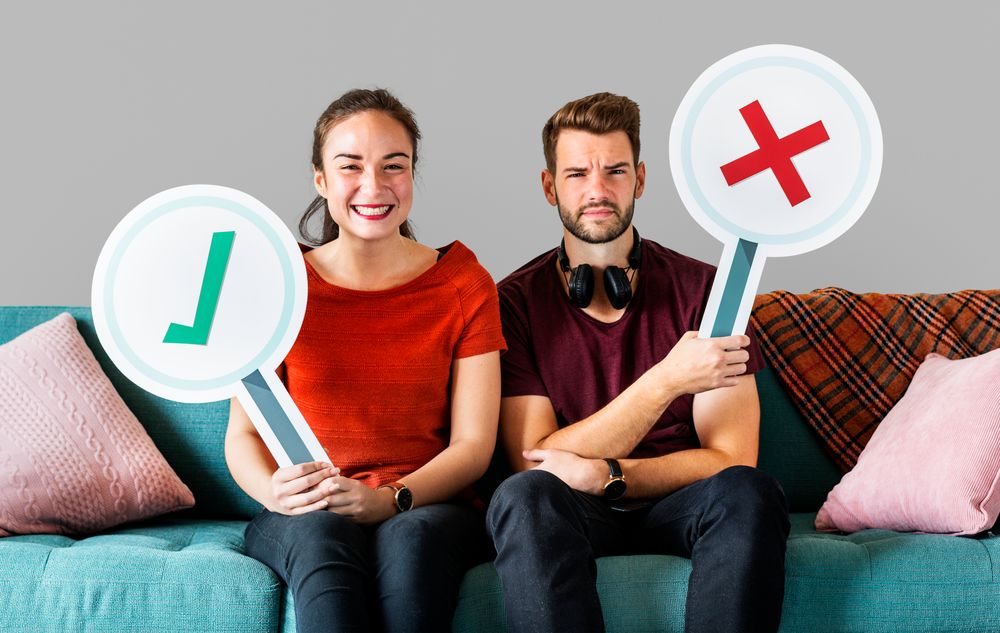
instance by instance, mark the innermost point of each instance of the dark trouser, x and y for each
(733, 526)
(407, 569)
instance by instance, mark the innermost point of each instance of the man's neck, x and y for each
(599, 256)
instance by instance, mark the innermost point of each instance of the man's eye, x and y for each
(575, 175)
(618, 171)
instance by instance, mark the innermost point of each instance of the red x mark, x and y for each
(775, 153)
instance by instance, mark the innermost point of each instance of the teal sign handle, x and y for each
(208, 300)
(277, 419)
(736, 284)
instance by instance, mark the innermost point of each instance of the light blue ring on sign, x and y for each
(789, 238)
(269, 348)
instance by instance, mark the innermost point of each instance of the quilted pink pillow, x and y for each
(932, 464)
(73, 458)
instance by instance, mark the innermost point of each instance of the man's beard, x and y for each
(600, 235)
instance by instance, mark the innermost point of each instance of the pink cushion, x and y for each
(73, 458)
(933, 463)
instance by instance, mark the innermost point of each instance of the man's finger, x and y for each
(535, 454)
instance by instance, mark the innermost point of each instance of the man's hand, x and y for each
(697, 364)
(358, 502)
(302, 488)
(579, 473)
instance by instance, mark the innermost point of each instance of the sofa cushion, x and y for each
(190, 436)
(933, 464)
(874, 580)
(167, 575)
(73, 457)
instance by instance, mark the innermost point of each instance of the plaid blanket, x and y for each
(845, 359)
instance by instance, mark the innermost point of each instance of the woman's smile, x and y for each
(373, 211)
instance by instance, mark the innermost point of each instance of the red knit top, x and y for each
(371, 370)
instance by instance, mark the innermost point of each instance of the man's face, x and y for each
(595, 184)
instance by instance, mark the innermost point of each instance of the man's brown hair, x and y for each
(600, 113)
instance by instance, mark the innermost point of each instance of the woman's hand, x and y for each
(358, 502)
(302, 488)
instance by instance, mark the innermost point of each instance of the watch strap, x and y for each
(614, 467)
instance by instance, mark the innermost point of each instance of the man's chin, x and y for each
(597, 236)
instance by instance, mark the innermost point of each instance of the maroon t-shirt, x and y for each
(581, 364)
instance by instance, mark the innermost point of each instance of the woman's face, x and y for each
(367, 175)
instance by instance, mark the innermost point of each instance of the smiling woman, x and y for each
(396, 370)
(352, 103)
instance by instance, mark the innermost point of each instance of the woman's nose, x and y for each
(371, 181)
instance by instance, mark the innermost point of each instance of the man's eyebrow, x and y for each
(574, 169)
(618, 165)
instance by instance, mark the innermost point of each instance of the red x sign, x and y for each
(774, 153)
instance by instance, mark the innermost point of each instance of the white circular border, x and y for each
(205, 390)
(862, 101)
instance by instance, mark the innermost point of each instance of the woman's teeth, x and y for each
(370, 211)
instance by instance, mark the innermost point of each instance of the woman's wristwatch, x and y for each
(615, 488)
(403, 498)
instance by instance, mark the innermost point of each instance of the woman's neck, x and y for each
(369, 265)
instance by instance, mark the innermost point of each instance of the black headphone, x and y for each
(617, 283)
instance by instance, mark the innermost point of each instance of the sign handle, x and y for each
(728, 308)
(278, 421)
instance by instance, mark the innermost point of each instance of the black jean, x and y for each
(402, 575)
(733, 526)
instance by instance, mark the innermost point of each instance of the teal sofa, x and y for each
(187, 571)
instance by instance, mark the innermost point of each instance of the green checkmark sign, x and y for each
(208, 300)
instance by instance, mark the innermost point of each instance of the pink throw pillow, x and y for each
(73, 458)
(932, 464)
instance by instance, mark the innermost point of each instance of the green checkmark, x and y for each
(208, 300)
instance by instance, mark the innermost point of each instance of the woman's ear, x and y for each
(319, 181)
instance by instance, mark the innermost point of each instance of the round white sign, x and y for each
(195, 289)
(777, 145)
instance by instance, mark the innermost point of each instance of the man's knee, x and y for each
(526, 495)
(749, 492)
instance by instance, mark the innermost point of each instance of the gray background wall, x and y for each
(104, 104)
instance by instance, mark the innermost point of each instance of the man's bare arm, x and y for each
(727, 422)
(692, 366)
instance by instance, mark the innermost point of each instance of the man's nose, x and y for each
(597, 187)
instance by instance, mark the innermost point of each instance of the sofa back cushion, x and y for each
(789, 449)
(191, 437)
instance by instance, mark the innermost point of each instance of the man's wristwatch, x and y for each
(403, 497)
(616, 486)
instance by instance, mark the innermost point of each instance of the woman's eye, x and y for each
(394, 167)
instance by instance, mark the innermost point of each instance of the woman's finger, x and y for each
(319, 505)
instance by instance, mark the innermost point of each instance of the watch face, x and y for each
(614, 489)
(404, 499)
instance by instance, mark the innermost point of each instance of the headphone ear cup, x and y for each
(581, 286)
(617, 287)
